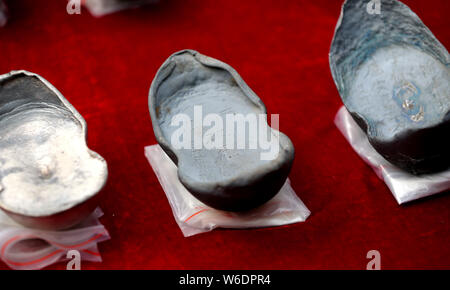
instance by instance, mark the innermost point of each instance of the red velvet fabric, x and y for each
(105, 66)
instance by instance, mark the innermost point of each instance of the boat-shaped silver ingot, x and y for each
(48, 176)
(393, 76)
(193, 87)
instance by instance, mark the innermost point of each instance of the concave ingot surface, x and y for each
(229, 179)
(393, 76)
(48, 176)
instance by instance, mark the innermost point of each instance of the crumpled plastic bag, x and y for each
(23, 248)
(404, 186)
(194, 217)
(103, 7)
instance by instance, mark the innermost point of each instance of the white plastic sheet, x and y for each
(194, 217)
(23, 248)
(404, 186)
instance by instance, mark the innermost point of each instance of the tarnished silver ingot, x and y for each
(393, 76)
(48, 177)
(103, 7)
(222, 177)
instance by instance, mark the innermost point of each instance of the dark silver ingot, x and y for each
(393, 76)
(227, 179)
(48, 176)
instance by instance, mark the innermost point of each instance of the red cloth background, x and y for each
(104, 67)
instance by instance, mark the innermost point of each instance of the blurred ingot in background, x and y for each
(3, 13)
(48, 176)
(393, 76)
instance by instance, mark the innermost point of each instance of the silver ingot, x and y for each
(222, 177)
(48, 177)
(393, 76)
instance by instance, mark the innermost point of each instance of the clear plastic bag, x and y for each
(404, 186)
(194, 217)
(102, 7)
(23, 248)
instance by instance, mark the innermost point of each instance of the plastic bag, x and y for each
(404, 186)
(194, 217)
(23, 248)
(102, 7)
